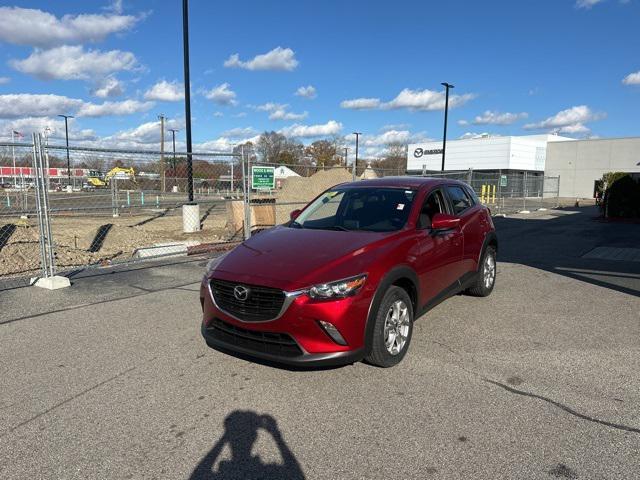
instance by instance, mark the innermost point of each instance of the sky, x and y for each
(317, 69)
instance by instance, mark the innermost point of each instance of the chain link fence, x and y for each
(67, 209)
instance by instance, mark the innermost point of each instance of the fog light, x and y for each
(333, 332)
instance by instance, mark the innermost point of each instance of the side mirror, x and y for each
(444, 221)
(294, 214)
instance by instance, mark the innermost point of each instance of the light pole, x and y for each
(173, 135)
(187, 95)
(447, 86)
(13, 155)
(66, 133)
(355, 162)
(346, 149)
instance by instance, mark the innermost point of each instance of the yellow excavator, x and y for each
(97, 180)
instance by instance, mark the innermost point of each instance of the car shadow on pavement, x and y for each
(558, 245)
(241, 428)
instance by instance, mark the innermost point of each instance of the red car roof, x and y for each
(399, 182)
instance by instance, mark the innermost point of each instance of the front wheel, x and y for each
(392, 329)
(486, 277)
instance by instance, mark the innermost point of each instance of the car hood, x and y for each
(293, 258)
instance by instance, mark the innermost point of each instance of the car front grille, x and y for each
(279, 344)
(261, 304)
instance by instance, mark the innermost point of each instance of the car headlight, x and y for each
(338, 289)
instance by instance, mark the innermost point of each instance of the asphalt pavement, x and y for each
(111, 379)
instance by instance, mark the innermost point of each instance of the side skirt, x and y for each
(456, 287)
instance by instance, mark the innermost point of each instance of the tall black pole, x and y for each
(447, 86)
(173, 135)
(357, 134)
(187, 96)
(66, 134)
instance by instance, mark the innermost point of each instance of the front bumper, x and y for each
(301, 360)
(295, 337)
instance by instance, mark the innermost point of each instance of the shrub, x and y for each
(622, 198)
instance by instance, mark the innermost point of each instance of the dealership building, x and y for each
(580, 164)
(508, 154)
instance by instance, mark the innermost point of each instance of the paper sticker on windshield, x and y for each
(332, 194)
(400, 206)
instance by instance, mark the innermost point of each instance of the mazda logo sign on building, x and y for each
(418, 152)
(241, 293)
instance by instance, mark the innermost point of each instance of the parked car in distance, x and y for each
(345, 279)
(5, 185)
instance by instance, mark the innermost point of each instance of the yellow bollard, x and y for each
(493, 195)
(484, 189)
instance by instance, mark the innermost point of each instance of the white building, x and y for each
(484, 153)
(581, 164)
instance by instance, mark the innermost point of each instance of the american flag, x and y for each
(17, 133)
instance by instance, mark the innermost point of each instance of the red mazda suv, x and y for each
(344, 280)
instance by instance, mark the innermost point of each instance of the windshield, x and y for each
(369, 209)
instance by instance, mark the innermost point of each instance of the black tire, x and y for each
(479, 287)
(379, 355)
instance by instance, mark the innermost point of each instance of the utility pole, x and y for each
(66, 133)
(162, 169)
(187, 96)
(345, 155)
(447, 86)
(175, 175)
(355, 162)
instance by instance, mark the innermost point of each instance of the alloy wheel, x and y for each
(396, 327)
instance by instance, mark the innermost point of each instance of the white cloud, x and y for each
(115, 7)
(470, 135)
(632, 79)
(17, 105)
(218, 114)
(305, 131)
(361, 103)
(109, 87)
(239, 115)
(4, 80)
(239, 132)
(164, 91)
(29, 125)
(224, 144)
(410, 99)
(587, 4)
(48, 105)
(425, 100)
(26, 26)
(277, 59)
(282, 114)
(375, 146)
(222, 95)
(126, 107)
(396, 126)
(463, 123)
(144, 134)
(270, 107)
(307, 92)
(497, 118)
(575, 129)
(74, 63)
(567, 120)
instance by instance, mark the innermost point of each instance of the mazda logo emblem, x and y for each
(418, 152)
(241, 293)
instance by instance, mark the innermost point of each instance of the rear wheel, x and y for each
(392, 329)
(486, 277)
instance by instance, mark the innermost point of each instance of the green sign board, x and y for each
(263, 178)
(503, 180)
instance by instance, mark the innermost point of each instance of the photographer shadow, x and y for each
(240, 434)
